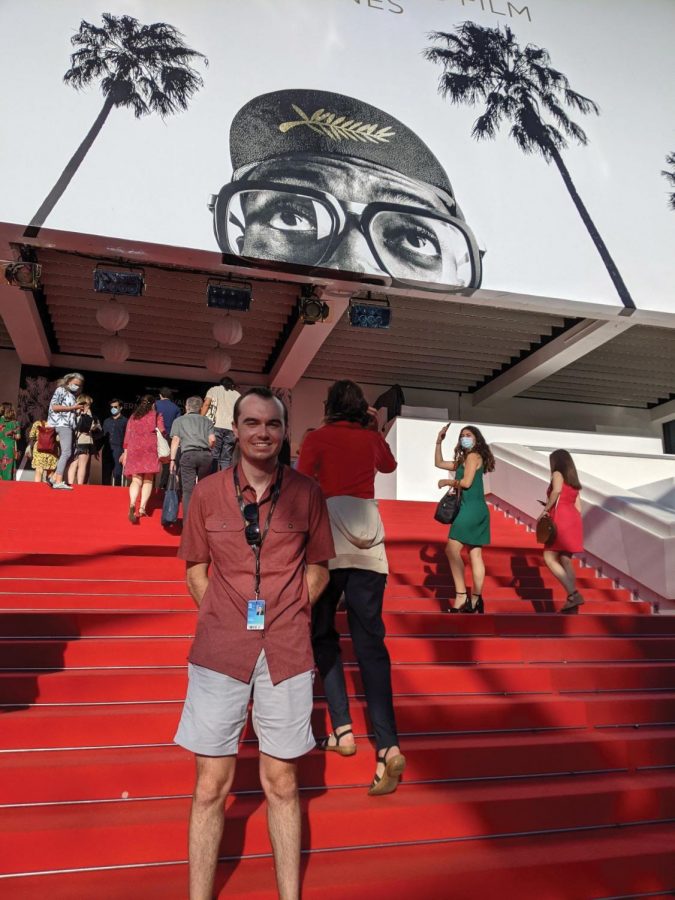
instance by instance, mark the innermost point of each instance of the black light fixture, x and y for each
(370, 314)
(25, 275)
(311, 308)
(228, 295)
(119, 282)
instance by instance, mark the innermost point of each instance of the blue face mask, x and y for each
(114, 410)
(467, 443)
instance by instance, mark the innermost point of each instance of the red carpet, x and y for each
(541, 747)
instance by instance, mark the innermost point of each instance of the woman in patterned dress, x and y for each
(140, 459)
(10, 431)
(471, 528)
(563, 504)
(41, 462)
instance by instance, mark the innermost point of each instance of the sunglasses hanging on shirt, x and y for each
(250, 512)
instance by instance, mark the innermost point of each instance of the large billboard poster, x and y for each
(523, 147)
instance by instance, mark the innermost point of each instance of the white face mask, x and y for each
(74, 388)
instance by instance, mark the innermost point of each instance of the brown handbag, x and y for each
(546, 530)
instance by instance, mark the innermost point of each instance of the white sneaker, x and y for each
(61, 486)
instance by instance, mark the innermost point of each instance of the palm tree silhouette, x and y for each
(670, 177)
(519, 85)
(145, 67)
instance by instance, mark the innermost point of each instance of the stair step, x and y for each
(601, 862)
(61, 837)
(160, 623)
(110, 774)
(12, 603)
(103, 725)
(86, 686)
(60, 654)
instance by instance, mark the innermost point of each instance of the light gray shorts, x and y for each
(216, 707)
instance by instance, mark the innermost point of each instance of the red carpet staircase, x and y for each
(541, 747)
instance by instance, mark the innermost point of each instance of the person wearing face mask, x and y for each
(63, 408)
(114, 429)
(471, 528)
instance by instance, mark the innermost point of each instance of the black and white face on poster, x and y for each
(471, 144)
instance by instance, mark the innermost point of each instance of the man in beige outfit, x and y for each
(218, 405)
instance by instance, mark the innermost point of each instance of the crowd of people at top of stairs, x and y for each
(61, 445)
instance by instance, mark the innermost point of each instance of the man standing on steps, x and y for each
(256, 547)
(193, 435)
(169, 411)
(114, 429)
(218, 405)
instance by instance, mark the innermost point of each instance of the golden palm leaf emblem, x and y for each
(339, 128)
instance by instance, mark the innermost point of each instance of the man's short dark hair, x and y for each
(265, 394)
(166, 392)
(115, 400)
(227, 383)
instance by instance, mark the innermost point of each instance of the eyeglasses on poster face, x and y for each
(304, 226)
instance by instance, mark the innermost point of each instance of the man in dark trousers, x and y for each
(114, 428)
(169, 412)
(192, 435)
(263, 530)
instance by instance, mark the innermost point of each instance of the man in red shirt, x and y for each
(256, 546)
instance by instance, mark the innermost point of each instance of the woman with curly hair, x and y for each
(140, 459)
(344, 455)
(471, 528)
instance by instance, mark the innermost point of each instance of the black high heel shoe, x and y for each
(467, 606)
(462, 608)
(478, 606)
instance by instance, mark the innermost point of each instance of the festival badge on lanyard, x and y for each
(255, 609)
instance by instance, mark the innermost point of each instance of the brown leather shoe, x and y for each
(388, 781)
(325, 744)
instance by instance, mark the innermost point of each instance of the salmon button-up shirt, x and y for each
(299, 535)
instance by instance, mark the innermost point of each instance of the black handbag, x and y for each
(170, 505)
(448, 507)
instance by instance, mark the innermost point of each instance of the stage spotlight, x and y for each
(24, 275)
(311, 308)
(128, 284)
(223, 295)
(370, 315)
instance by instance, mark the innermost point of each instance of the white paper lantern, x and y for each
(115, 349)
(228, 331)
(112, 316)
(218, 361)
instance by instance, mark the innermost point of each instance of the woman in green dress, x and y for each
(10, 431)
(471, 528)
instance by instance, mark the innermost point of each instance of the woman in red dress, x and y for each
(564, 507)
(140, 459)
